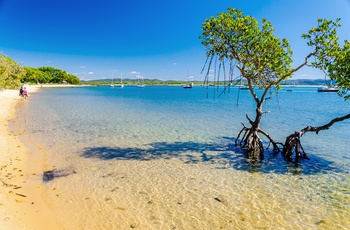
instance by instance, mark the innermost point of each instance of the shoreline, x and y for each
(21, 202)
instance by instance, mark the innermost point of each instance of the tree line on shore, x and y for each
(12, 74)
(129, 81)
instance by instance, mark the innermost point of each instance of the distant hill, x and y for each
(117, 79)
(157, 81)
(305, 82)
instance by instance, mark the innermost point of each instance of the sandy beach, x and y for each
(21, 204)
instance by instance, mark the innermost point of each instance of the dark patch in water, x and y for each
(55, 173)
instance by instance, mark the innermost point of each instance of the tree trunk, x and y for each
(251, 142)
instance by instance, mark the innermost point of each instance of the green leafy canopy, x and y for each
(261, 57)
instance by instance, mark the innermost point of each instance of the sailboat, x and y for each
(189, 85)
(121, 81)
(328, 88)
(140, 82)
(112, 84)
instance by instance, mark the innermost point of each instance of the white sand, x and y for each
(21, 204)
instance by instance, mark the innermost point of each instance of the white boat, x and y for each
(327, 89)
(188, 86)
(140, 82)
(112, 84)
(244, 88)
(121, 81)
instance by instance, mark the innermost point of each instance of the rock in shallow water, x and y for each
(52, 174)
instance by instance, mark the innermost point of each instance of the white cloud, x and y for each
(134, 72)
(91, 73)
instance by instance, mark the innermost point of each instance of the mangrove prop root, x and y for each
(252, 143)
(293, 145)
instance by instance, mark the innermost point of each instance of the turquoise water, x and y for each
(171, 136)
(82, 118)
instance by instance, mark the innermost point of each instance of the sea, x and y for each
(164, 157)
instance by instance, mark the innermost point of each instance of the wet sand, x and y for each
(21, 203)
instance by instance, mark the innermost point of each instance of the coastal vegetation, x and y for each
(12, 74)
(254, 54)
(46, 75)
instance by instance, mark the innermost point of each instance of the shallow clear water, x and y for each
(164, 158)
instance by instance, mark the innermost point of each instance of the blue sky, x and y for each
(154, 38)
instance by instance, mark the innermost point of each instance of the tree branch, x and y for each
(324, 127)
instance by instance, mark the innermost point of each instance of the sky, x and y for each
(157, 39)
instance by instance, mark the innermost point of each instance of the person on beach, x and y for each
(21, 91)
(25, 93)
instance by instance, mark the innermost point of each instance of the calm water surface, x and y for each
(164, 158)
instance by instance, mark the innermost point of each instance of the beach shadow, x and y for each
(221, 155)
(189, 152)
